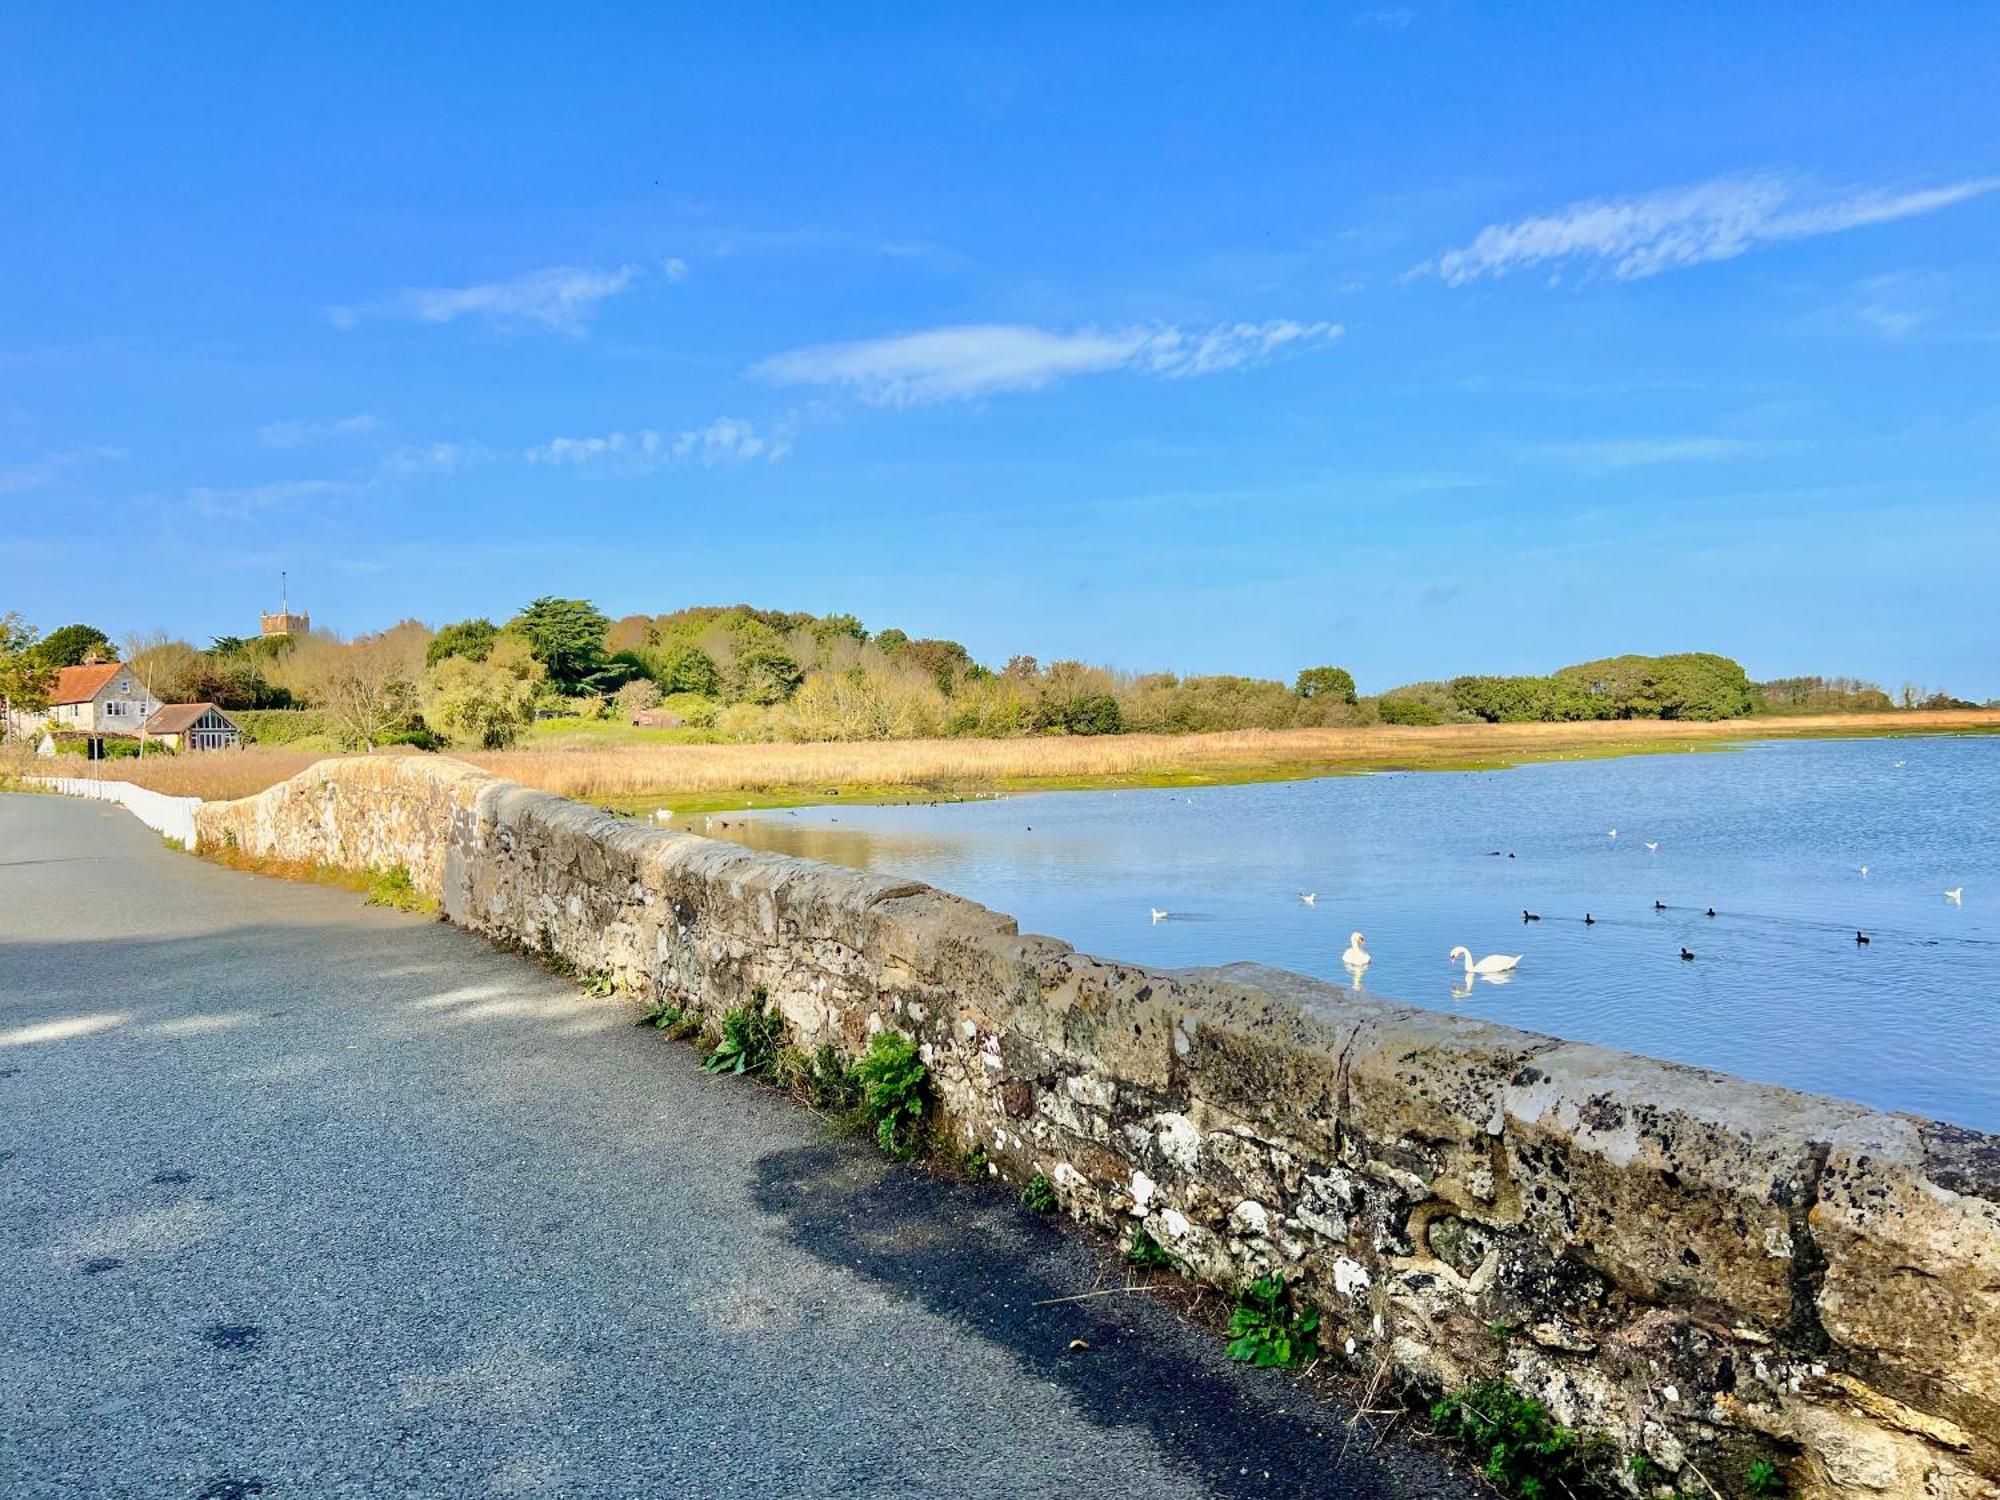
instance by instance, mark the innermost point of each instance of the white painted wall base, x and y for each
(171, 816)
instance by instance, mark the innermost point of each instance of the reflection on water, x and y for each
(1772, 838)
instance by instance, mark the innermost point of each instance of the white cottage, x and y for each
(103, 698)
(108, 699)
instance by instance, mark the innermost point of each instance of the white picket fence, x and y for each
(171, 816)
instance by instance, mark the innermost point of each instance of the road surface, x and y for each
(303, 1198)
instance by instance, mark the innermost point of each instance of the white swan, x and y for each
(1653, 847)
(1158, 915)
(1611, 833)
(1309, 897)
(1357, 955)
(1493, 963)
(1956, 895)
(1864, 870)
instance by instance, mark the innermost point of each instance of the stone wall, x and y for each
(1705, 1269)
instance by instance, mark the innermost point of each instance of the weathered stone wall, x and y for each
(1703, 1268)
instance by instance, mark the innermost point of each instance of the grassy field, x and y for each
(640, 776)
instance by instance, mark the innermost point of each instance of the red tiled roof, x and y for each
(81, 684)
(178, 718)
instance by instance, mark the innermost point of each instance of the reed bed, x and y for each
(213, 775)
(636, 771)
(631, 773)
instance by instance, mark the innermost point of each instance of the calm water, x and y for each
(1772, 836)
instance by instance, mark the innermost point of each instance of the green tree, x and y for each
(468, 638)
(946, 661)
(1326, 682)
(481, 704)
(683, 667)
(567, 638)
(25, 679)
(832, 627)
(766, 675)
(1689, 685)
(68, 646)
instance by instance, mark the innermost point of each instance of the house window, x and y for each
(115, 709)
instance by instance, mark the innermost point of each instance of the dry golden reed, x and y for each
(630, 772)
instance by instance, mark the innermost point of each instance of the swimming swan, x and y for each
(1308, 897)
(1357, 955)
(1493, 963)
(1158, 915)
(1956, 895)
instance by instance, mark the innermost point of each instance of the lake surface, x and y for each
(1772, 835)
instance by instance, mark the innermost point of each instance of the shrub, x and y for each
(1763, 1480)
(750, 1036)
(1413, 711)
(892, 1076)
(1266, 1330)
(394, 888)
(1519, 1447)
(693, 710)
(636, 697)
(1147, 1252)
(1039, 1196)
(279, 726)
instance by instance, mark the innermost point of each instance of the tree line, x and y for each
(742, 673)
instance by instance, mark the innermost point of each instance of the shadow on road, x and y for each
(967, 1254)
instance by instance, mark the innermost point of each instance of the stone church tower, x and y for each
(285, 621)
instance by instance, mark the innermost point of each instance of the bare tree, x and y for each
(367, 688)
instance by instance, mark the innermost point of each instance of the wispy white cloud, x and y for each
(564, 298)
(1642, 236)
(674, 268)
(434, 458)
(959, 363)
(243, 502)
(38, 473)
(1609, 455)
(729, 242)
(298, 434)
(726, 440)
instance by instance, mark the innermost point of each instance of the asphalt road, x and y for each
(303, 1198)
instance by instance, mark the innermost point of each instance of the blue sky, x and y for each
(1425, 338)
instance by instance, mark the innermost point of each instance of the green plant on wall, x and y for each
(394, 888)
(1039, 1195)
(1265, 1329)
(1763, 1480)
(1520, 1448)
(892, 1076)
(750, 1037)
(1148, 1253)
